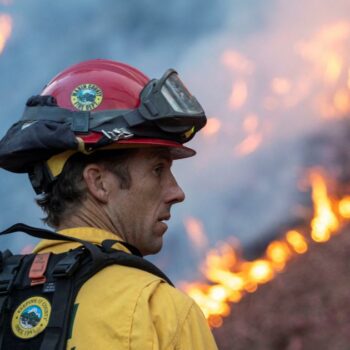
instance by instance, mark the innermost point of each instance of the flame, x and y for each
(250, 123)
(248, 145)
(281, 86)
(5, 30)
(344, 207)
(195, 232)
(325, 50)
(231, 277)
(297, 241)
(341, 101)
(236, 62)
(253, 139)
(213, 127)
(239, 94)
(325, 221)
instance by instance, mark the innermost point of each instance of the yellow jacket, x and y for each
(126, 308)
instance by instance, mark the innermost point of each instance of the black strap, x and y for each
(7, 277)
(62, 303)
(4, 255)
(109, 243)
(38, 233)
(51, 235)
(92, 120)
(119, 257)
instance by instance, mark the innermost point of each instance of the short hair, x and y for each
(68, 191)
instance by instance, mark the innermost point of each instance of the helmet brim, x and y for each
(177, 150)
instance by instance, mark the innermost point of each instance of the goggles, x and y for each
(170, 105)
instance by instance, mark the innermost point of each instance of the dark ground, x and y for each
(307, 307)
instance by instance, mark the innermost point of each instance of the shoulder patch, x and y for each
(31, 317)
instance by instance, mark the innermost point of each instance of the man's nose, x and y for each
(175, 192)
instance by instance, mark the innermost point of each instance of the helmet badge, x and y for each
(86, 97)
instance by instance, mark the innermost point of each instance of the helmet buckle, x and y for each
(117, 134)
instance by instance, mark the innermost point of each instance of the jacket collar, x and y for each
(90, 234)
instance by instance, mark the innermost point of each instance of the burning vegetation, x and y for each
(233, 282)
(232, 277)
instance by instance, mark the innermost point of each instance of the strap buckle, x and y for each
(38, 269)
(8, 273)
(69, 264)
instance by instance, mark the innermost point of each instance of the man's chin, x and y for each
(154, 247)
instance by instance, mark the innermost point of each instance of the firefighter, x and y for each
(98, 144)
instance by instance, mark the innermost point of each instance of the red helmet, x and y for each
(101, 104)
(120, 85)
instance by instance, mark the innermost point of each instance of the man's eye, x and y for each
(158, 170)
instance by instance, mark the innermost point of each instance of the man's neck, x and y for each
(89, 214)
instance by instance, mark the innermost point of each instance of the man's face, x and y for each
(139, 212)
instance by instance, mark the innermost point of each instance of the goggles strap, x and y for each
(84, 121)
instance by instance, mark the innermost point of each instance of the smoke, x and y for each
(255, 67)
(286, 77)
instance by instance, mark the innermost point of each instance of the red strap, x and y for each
(38, 268)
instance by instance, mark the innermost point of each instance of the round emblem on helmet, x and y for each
(86, 97)
(31, 317)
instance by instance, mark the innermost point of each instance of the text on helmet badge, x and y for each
(86, 97)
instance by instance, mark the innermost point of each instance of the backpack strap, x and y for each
(119, 257)
(9, 268)
(107, 244)
(68, 286)
(72, 271)
(51, 235)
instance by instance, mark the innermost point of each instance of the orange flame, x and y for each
(325, 221)
(195, 232)
(341, 101)
(253, 139)
(280, 86)
(248, 145)
(231, 277)
(239, 94)
(344, 207)
(5, 30)
(213, 127)
(325, 50)
(236, 62)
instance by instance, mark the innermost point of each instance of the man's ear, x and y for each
(97, 180)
